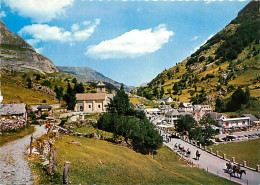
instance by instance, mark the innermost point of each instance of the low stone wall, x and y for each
(9, 124)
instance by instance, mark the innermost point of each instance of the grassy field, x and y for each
(248, 151)
(22, 94)
(147, 103)
(102, 162)
(13, 135)
(91, 129)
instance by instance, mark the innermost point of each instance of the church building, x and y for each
(93, 102)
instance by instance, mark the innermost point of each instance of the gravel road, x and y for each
(14, 169)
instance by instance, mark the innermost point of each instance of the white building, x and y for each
(152, 111)
(230, 123)
(187, 107)
(172, 116)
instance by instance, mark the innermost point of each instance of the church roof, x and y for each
(100, 84)
(91, 96)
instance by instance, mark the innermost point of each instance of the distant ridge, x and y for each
(86, 74)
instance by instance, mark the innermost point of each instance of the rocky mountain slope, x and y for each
(229, 59)
(16, 54)
(86, 74)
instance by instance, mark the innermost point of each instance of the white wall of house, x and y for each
(235, 122)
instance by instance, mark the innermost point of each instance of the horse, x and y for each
(240, 172)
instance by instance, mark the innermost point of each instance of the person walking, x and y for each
(48, 127)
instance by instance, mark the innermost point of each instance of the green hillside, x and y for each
(14, 86)
(103, 162)
(230, 59)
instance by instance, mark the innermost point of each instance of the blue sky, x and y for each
(128, 41)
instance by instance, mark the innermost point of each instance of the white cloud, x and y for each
(33, 42)
(75, 27)
(39, 10)
(131, 44)
(86, 22)
(46, 33)
(39, 50)
(194, 38)
(197, 47)
(2, 13)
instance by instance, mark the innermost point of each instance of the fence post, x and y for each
(200, 145)
(216, 153)
(210, 149)
(224, 156)
(51, 158)
(233, 159)
(205, 148)
(244, 163)
(55, 161)
(31, 145)
(257, 168)
(66, 172)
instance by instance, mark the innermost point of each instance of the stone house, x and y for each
(12, 116)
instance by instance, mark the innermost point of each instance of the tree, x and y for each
(247, 95)
(70, 98)
(161, 92)
(208, 121)
(29, 82)
(120, 103)
(220, 105)
(79, 88)
(74, 80)
(59, 92)
(38, 77)
(46, 83)
(156, 93)
(185, 123)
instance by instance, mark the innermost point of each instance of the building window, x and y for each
(99, 106)
(89, 106)
(81, 108)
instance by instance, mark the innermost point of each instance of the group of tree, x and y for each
(235, 102)
(132, 124)
(200, 132)
(70, 96)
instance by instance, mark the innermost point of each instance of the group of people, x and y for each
(187, 152)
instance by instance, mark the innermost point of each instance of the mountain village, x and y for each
(194, 123)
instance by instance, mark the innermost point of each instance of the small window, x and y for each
(89, 106)
(99, 106)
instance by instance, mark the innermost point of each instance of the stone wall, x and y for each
(11, 124)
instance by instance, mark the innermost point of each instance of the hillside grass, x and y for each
(147, 103)
(90, 129)
(248, 151)
(101, 162)
(15, 91)
(9, 136)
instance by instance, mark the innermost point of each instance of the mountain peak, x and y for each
(16, 54)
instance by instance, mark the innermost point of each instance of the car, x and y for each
(240, 137)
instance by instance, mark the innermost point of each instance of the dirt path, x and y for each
(14, 169)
